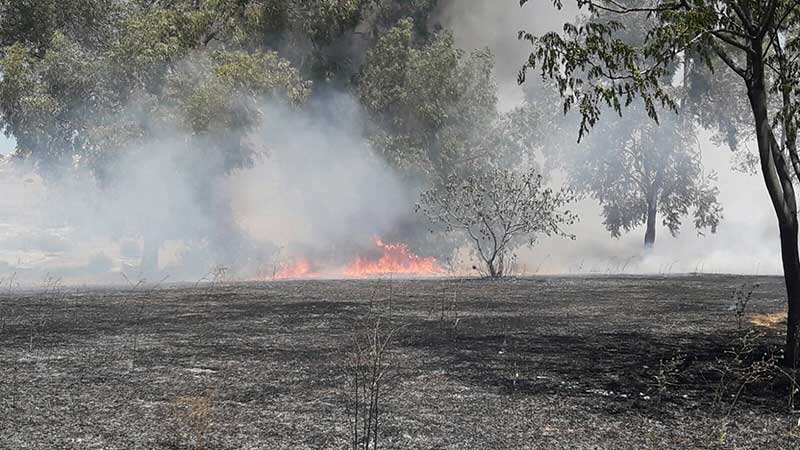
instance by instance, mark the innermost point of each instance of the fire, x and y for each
(388, 259)
(394, 259)
(300, 268)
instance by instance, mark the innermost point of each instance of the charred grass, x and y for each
(543, 363)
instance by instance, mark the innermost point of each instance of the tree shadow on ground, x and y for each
(608, 370)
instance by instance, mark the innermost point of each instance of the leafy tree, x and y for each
(327, 40)
(498, 210)
(432, 113)
(755, 39)
(69, 105)
(86, 83)
(427, 101)
(637, 170)
(34, 22)
(316, 36)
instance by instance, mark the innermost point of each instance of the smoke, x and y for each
(495, 25)
(316, 190)
(746, 242)
(71, 227)
(320, 191)
(747, 239)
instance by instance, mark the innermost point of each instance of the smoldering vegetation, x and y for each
(322, 192)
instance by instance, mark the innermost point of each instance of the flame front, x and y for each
(299, 268)
(395, 259)
(391, 259)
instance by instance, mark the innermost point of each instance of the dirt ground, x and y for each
(542, 363)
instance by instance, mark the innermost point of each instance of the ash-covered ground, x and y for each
(543, 363)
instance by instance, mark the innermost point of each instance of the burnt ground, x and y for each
(544, 363)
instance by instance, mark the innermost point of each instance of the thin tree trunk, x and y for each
(652, 215)
(492, 270)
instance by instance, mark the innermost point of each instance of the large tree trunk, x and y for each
(779, 185)
(791, 273)
(652, 215)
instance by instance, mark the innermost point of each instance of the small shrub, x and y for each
(371, 370)
(741, 299)
(743, 366)
(666, 376)
(498, 211)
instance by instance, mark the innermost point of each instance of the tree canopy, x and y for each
(756, 40)
(638, 170)
(499, 210)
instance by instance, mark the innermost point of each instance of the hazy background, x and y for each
(747, 239)
(320, 188)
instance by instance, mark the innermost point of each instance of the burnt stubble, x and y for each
(539, 363)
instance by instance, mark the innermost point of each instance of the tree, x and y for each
(431, 112)
(86, 84)
(755, 39)
(499, 211)
(167, 70)
(34, 22)
(427, 100)
(637, 169)
(327, 40)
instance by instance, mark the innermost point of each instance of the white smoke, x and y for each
(317, 190)
(747, 239)
(321, 185)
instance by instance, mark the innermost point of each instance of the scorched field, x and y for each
(543, 363)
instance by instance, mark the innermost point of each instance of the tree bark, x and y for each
(779, 185)
(652, 215)
(791, 273)
(493, 272)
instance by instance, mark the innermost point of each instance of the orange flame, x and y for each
(394, 259)
(300, 268)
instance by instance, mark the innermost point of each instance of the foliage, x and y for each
(97, 85)
(427, 100)
(434, 108)
(636, 168)
(33, 23)
(499, 210)
(77, 103)
(68, 63)
(326, 39)
(168, 83)
(755, 39)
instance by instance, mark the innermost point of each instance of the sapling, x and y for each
(499, 211)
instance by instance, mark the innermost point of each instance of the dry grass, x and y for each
(194, 416)
(776, 320)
